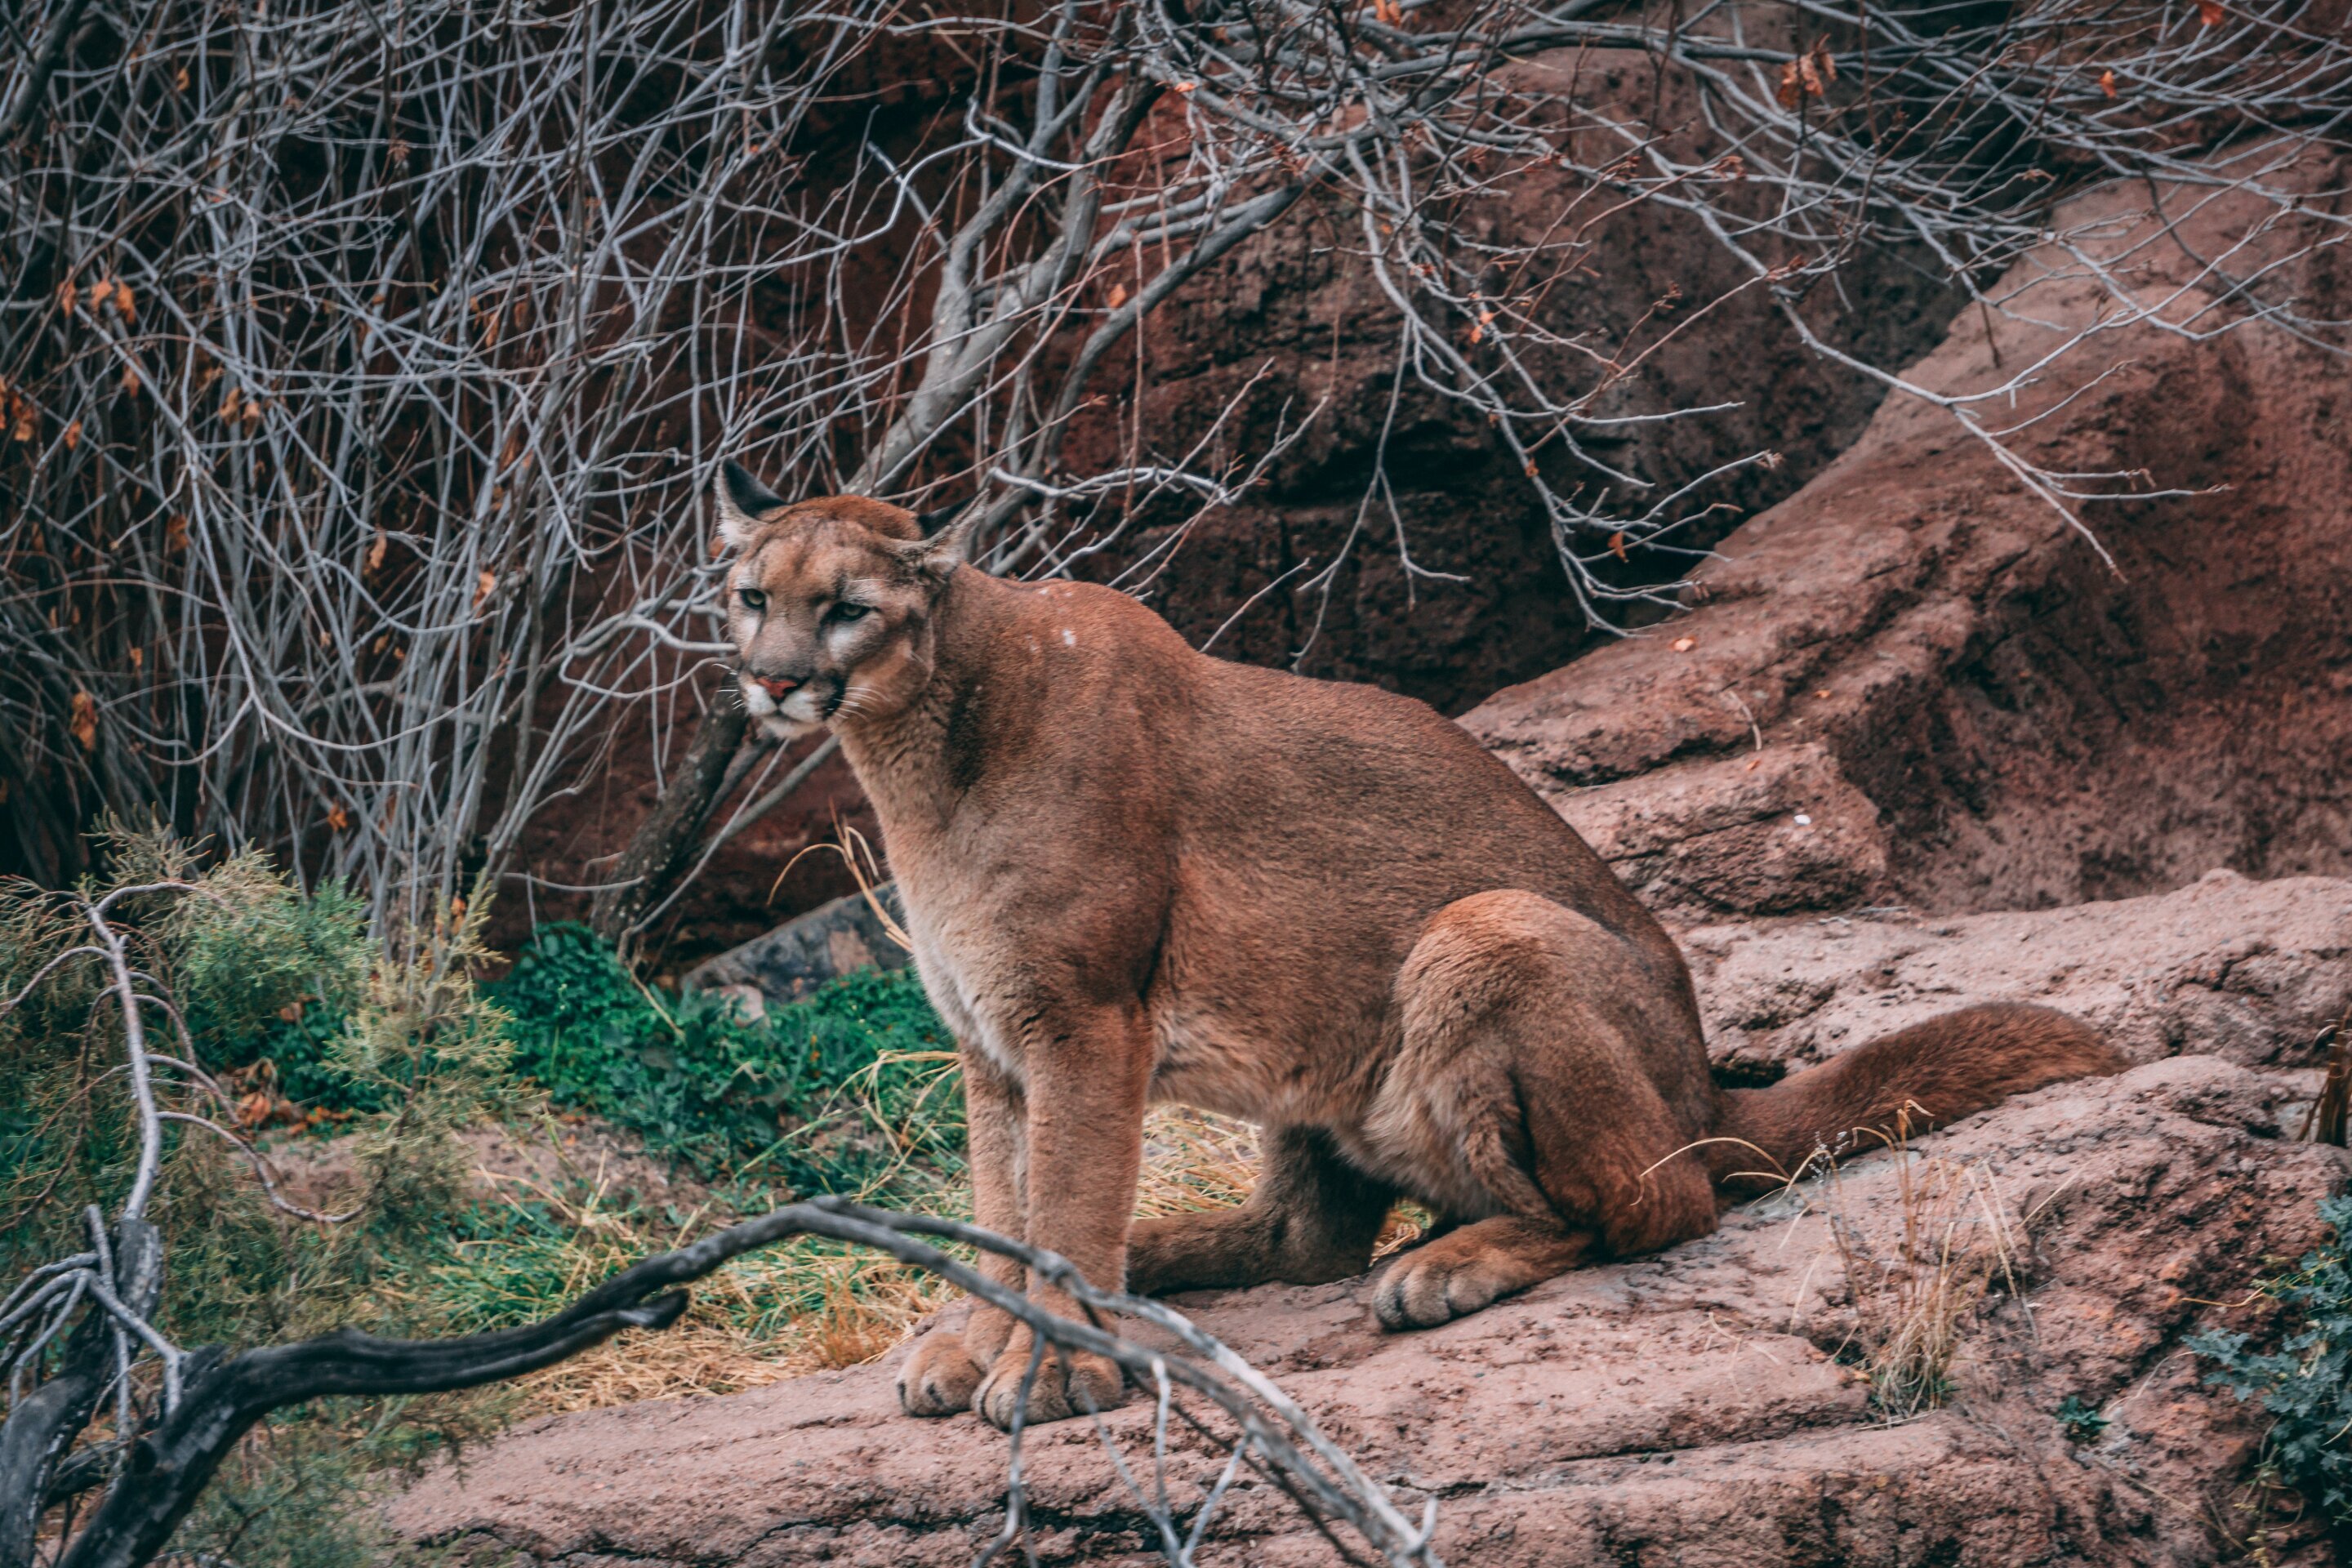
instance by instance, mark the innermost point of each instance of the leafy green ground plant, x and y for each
(851, 1090)
(2082, 1423)
(2305, 1385)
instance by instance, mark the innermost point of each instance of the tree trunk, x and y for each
(665, 843)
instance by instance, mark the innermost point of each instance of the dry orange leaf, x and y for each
(138, 657)
(336, 819)
(101, 292)
(130, 380)
(484, 586)
(1117, 295)
(125, 306)
(375, 551)
(67, 295)
(2209, 12)
(1684, 645)
(1825, 691)
(1617, 546)
(73, 435)
(2107, 83)
(84, 720)
(229, 409)
(175, 533)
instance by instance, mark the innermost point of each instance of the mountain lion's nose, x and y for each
(776, 686)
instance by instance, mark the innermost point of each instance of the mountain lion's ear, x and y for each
(742, 502)
(946, 544)
(938, 518)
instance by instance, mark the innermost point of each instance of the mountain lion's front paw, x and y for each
(938, 1378)
(1088, 1383)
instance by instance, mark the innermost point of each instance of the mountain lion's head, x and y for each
(828, 603)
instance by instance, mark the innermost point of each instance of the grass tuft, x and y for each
(1917, 1285)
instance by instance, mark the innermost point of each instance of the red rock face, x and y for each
(1973, 709)
(1294, 313)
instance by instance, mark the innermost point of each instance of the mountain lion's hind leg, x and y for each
(1521, 1094)
(1312, 1217)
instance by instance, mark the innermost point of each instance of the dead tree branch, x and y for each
(361, 371)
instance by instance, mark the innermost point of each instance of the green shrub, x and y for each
(421, 1055)
(2306, 1384)
(846, 1092)
(278, 978)
(256, 971)
(2082, 1423)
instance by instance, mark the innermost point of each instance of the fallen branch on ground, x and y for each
(81, 1328)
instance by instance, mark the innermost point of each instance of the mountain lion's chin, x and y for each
(784, 728)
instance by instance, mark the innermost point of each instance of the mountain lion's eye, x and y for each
(845, 612)
(752, 598)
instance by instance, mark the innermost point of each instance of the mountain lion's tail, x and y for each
(1907, 1082)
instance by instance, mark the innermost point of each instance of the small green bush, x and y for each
(2082, 1423)
(846, 1092)
(279, 978)
(256, 971)
(2306, 1384)
(421, 1055)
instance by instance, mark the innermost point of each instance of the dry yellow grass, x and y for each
(1915, 1279)
(738, 1336)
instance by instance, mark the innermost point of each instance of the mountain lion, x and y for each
(1133, 872)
